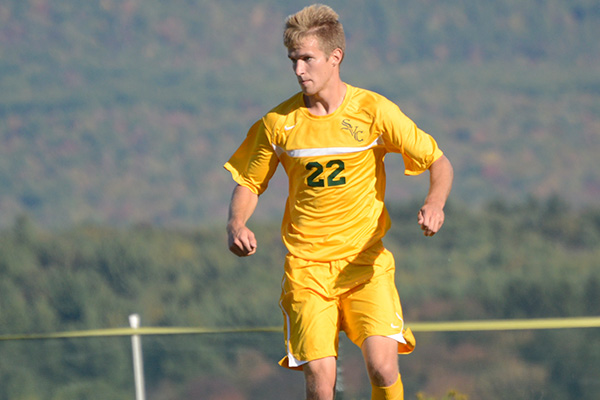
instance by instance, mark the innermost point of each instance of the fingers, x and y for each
(242, 243)
(431, 220)
(242, 250)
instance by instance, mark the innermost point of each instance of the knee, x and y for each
(383, 375)
(320, 392)
(381, 358)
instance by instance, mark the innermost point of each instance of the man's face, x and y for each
(312, 67)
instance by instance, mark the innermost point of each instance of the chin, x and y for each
(308, 92)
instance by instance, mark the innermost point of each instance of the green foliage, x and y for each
(534, 259)
(124, 111)
(116, 113)
(93, 277)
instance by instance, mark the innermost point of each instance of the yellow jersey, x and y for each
(334, 163)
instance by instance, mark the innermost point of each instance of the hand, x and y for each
(431, 219)
(242, 242)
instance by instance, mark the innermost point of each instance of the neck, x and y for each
(327, 101)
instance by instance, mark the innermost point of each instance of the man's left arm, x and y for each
(431, 215)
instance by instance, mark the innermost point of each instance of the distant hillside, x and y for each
(124, 111)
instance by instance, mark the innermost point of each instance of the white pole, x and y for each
(138, 364)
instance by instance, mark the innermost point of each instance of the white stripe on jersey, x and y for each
(325, 151)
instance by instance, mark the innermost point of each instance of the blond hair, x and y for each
(319, 21)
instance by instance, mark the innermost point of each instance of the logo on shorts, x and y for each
(396, 326)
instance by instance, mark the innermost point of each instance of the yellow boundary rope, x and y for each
(449, 326)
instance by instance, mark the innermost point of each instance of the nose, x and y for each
(298, 68)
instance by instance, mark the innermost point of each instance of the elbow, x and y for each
(443, 164)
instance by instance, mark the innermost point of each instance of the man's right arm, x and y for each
(241, 239)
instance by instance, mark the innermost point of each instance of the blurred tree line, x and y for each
(125, 110)
(533, 259)
(115, 119)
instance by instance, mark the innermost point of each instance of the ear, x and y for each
(336, 56)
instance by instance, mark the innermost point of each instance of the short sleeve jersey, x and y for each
(334, 163)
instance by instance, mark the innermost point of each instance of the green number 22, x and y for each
(315, 180)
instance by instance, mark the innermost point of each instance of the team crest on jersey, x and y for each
(353, 130)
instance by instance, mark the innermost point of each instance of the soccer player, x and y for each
(331, 138)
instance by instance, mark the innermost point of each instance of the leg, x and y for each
(372, 317)
(381, 358)
(320, 378)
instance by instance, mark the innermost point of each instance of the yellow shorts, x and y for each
(356, 295)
